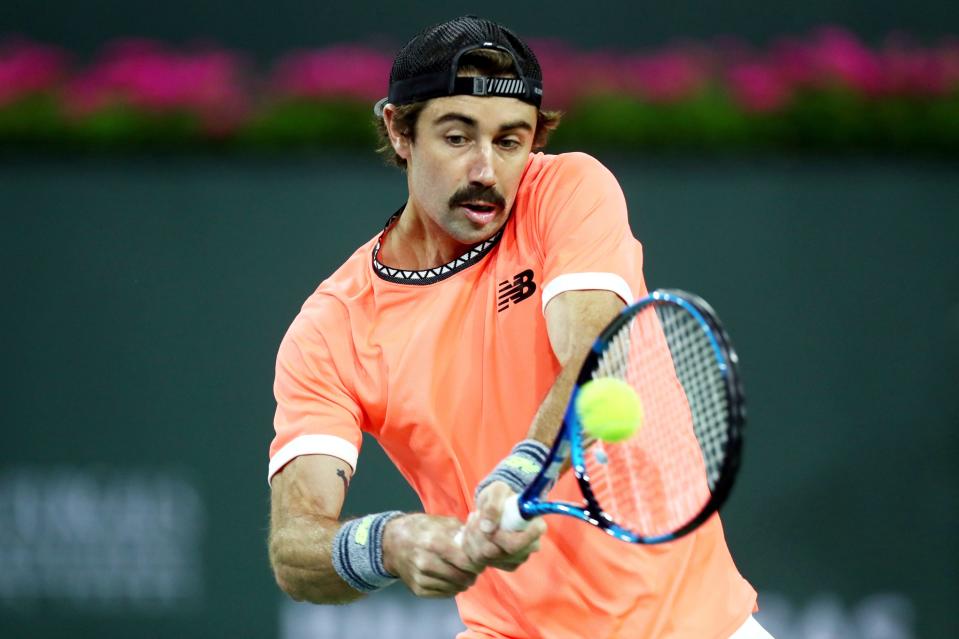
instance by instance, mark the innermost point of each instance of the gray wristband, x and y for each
(358, 552)
(519, 468)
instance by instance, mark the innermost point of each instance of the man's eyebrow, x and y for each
(455, 117)
(518, 124)
(471, 122)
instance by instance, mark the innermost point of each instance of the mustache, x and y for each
(475, 192)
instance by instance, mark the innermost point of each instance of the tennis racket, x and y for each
(679, 467)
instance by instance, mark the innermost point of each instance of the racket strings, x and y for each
(660, 479)
(702, 380)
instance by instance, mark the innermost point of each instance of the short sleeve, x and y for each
(582, 221)
(316, 410)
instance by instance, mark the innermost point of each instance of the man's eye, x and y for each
(509, 144)
(456, 140)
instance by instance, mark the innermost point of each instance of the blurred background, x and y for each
(176, 178)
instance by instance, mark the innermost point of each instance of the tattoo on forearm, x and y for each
(342, 475)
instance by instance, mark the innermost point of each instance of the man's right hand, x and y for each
(488, 544)
(421, 551)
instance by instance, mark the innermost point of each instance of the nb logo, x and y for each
(517, 290)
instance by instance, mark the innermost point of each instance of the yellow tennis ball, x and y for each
(609, 409)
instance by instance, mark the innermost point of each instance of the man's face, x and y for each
(465, 164)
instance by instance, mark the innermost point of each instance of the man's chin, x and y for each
(473, 233)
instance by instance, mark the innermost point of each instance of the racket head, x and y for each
(680, 467)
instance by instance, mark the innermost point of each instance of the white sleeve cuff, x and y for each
(587, 282)
(313, 445)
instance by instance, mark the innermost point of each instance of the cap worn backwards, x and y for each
(427, 66)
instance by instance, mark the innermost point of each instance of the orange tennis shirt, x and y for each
(447, 367)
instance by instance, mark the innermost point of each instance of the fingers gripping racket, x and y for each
(679, 466)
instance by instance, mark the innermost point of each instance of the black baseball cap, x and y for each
(427, 66)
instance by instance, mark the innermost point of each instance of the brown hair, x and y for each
(487, 62)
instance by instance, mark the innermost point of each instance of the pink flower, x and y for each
(759, 87)
(947, 57)
(339, 72)
(668, 76)
(910, 71)
(795, 63)
(665, 77)
(560, 72)
(568, 75)
(834, 57)
(146, 75)
(27, 68)
(838, 56)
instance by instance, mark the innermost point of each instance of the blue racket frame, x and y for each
(569, 443)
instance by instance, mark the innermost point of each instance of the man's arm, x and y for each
(306, 499)
(305, 502)
(573, 320)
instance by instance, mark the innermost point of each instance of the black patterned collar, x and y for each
(430, 275)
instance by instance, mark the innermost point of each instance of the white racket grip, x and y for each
(511, 519)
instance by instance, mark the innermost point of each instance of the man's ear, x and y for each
(400, 141)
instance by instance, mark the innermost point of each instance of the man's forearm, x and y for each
(549, 417)
(301, 555)
(574, 319)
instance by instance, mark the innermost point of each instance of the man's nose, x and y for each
(481, 169)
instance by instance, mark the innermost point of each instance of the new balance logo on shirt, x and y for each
(517, 290)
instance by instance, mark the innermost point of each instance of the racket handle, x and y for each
(512, 518)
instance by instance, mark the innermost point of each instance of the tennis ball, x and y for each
(609, 409)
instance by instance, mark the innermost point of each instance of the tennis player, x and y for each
(453, 336)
